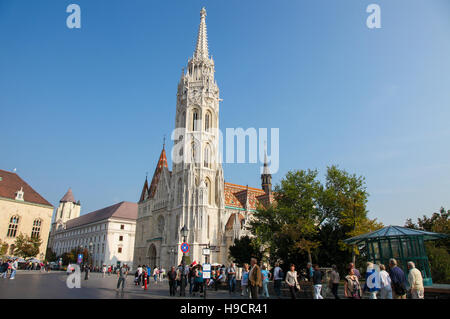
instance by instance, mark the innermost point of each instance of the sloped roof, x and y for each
(124, 210)
(68, 197)
(144, 191)
(244, 197)
(10, 183)
(394, 231)
(162, 162)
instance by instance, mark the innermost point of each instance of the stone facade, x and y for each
(24, 211)
(108, 233)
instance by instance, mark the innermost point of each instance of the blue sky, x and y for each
(88, 108)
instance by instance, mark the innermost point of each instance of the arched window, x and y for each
(180, 192)
(208, 189)
(194, 121)
(207, 121)
(36, 230)
(160, 225)
(12, 228)
(207, 157)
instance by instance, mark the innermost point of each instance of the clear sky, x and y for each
(88, 108)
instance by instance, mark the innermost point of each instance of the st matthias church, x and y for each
(194, 196)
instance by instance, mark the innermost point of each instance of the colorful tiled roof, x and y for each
(10, 183)
(124, 210)
(244, 197)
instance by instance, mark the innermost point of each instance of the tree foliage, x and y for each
(309, 220)
(3, 248)
(244, 249)
(437, 251)
(26, 246)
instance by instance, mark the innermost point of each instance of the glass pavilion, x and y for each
(403, 244)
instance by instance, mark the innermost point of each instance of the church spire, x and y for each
(201, 50)
(266, 177)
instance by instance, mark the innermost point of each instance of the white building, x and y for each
(194, 194)
(107, 233)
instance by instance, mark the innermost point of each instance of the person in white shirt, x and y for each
(385, 284)
(277, 279)
(14, 267)
(415, 281)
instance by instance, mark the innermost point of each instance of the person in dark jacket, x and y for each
(317, 282)
(172, 276)
(398, 280)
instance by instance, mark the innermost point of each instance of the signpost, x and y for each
(185, 248)
(206, 269)
(80, 259)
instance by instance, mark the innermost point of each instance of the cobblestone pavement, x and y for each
(52, 285)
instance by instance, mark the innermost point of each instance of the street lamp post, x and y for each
(172, 256)
(184, 234)
(90, 253)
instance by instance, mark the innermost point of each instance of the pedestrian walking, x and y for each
(244, 281)
(385, 283)
(86, 272)
(334, 281)
(4, 269)
(121, 276)
(265, 277)
(352, 287)
(398, 280)
(317, 282)
(139, 273)
(172, 276)
(278, 277)
(231, 278)
(191, 277)
(104, 271)
(198, 281)
(355, 270)
(109, 270)
(292, 281)
(14, 266)
(254, 278)
(415, 281)
(155, 274)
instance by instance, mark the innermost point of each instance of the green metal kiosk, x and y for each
(403, 244)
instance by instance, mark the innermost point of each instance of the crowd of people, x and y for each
(388, 282)
(381, 281)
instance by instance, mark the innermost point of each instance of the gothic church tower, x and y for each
(198, 184)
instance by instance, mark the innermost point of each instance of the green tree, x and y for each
(309, 221)
(344, 202)
(243, 249)
(50, 255)
(3, 248)
(289, 227)
(438, 250)
(26, 246)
